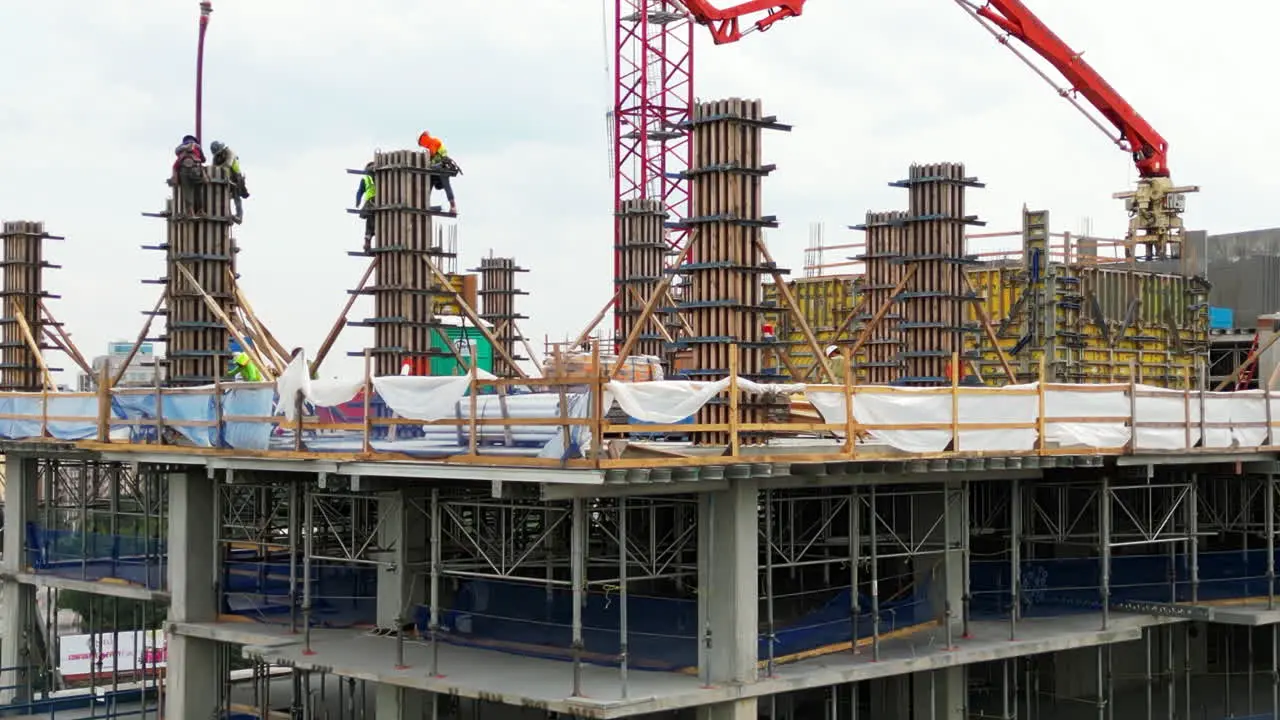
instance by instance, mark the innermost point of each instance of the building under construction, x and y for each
(1025, 498)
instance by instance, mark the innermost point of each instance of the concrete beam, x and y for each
(104, 588)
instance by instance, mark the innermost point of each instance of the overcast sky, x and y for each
(94, 96)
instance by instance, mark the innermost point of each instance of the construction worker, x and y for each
(243, 369)
(189, 174)
(226, 158)
(366, 191)
(836, 362)
(439, 158)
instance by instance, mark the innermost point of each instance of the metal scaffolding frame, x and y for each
(885, 541)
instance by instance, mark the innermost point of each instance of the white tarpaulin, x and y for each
(915, 420)
(926, 406)
(1105, 406)
(671, 401)
(416, 397)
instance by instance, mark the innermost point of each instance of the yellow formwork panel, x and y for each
(1162, 322)
(824, 301)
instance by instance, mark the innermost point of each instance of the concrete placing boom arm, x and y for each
(1155, 207)
(725, 25)
(1149, 148)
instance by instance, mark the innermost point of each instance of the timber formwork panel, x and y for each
(404, 289)
(879, 360)
(498, 292)
(197, 342)
(24, 266)
(642, 253)
(722, 301)
(934, 302)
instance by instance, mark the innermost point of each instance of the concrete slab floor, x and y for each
(548, 684)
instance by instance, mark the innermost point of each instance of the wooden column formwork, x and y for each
(24, 267)
(723, 300)
(498, 308)
(404, 289)
(934, 302)
(879, 362)
(197, 343)
(643, 251)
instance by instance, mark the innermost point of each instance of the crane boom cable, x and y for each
(1066, 93)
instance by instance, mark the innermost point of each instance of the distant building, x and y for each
(140, 373)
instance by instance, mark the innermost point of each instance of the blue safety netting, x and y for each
(80, 555)
(341, 595)
(1064, 586)
(662, 633)
(428, 441)
(192, 418)
(81, 416)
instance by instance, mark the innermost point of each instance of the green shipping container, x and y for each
(479, 348)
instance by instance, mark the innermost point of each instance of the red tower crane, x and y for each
(653, 95)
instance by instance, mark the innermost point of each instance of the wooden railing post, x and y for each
(366, 444)
(850, 429)
(598, 409)
(1133, 410)
(734, 440)
(219, 414)
(104, 403)
(473, 445)
(1041, 439)
(955, 401)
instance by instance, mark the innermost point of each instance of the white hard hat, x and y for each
(832, 350)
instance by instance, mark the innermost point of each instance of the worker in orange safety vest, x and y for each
(438, 157)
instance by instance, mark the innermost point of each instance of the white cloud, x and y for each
(102, 91)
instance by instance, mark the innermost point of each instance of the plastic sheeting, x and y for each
(1089, 416)
(415, 397)
(671, 401)
(900, 408)
(199, 407)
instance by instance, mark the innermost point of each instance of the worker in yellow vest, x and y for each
(366, 191)
(243, 369)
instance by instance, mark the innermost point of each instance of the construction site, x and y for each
(916, 482)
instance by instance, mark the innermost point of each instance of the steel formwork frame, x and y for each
(653, 100)
(22, 367)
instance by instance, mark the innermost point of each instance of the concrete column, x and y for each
(17, 601)
(193, 662)
(728, 593)
(939, 518)
(403, 536)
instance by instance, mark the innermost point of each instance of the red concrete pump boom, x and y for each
(726, 25)
(1149, 148)
(1154, 207)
